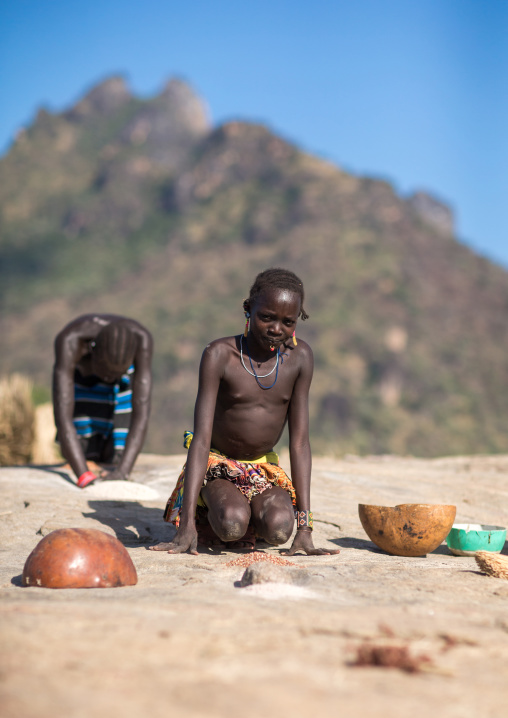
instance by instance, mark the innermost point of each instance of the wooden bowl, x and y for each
(79, 558)
(407, 529)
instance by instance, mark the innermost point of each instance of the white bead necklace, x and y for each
(257, 376)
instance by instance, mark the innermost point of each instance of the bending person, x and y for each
(101, 393)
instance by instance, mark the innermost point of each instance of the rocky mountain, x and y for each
(141, 207)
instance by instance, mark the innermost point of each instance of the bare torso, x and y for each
(248, 420)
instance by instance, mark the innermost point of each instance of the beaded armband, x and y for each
(303, 519)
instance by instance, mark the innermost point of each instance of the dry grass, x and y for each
(16, 420)
(44, 448)
(493, 564)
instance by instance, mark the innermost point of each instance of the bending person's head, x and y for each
(114, 351)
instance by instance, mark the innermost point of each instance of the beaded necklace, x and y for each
(257, 377)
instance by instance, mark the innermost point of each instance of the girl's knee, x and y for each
(276, 527)
(231, 523)
(273, 516)
(228, 509)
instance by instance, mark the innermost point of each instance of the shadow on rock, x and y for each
(361, 544)
(55, 469)
(133, 523)
(364, 545)
(443, 550)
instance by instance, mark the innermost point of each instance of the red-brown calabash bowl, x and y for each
(79, 558)
(407, 529)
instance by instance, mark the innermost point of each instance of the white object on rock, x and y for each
(121, 490)
(276, 591)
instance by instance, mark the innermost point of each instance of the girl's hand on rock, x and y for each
(185, 540)
(303, 542)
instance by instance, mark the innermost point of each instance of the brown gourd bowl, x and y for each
(407, 529)
(79, 558)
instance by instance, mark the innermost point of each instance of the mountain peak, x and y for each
(433, 211)
(168, 125)
(104, 98)
(178, 96)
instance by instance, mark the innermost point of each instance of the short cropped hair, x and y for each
(115, 345)
(277, 278)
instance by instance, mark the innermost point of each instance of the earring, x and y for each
(294, 340)
(246, 330)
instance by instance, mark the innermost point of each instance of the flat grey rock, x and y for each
(266, 572)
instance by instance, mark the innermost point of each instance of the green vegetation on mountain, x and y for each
(140, 207)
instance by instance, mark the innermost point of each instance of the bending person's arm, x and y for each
(141, 394)
(66, 357)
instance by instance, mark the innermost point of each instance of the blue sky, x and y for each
(412, 91)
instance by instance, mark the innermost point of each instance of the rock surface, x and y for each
(189, 640)
(267, 572)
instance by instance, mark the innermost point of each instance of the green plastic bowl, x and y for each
(467, 539)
